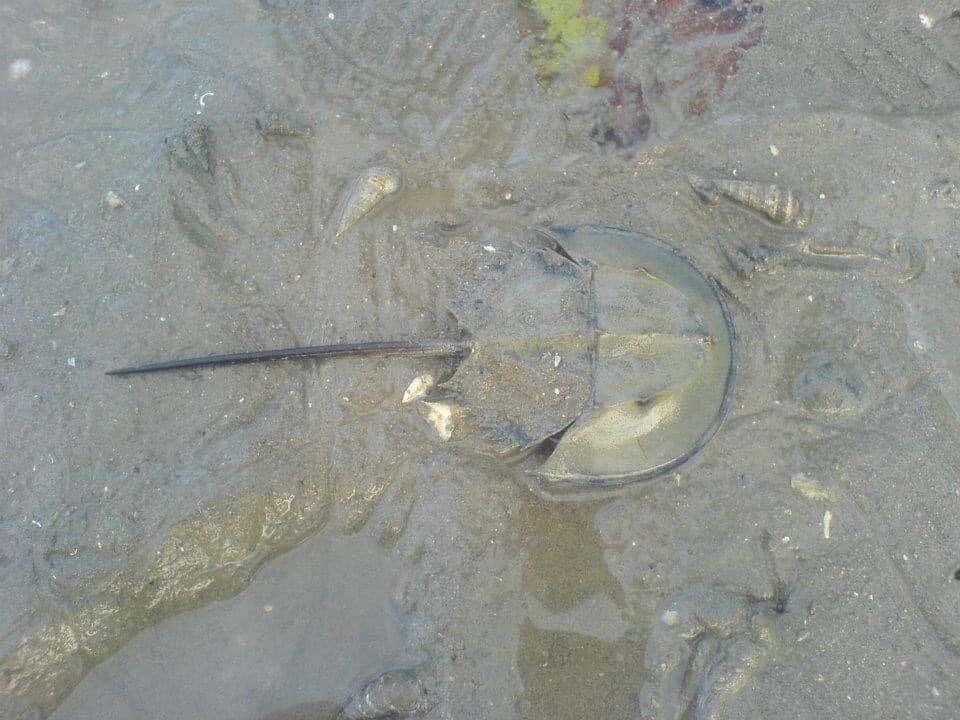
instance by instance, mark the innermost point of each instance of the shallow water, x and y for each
(802, 564)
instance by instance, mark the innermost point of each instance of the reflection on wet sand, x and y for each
(210, 556)
(570, 676)
(567, 674)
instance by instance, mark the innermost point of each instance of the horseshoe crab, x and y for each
(605, 354)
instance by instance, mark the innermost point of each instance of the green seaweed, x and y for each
(571, 39)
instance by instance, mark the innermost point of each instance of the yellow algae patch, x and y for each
(813, 489)
(592, 76)
(571, 38)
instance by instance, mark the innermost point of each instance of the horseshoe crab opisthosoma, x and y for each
(604, 353)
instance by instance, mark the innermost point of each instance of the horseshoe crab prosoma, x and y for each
(605, 351)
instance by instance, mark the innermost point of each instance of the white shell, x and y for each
(367, 192)
(418, 387)
(441, 416)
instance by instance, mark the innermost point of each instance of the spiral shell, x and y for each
(367, 192)
(781, 205)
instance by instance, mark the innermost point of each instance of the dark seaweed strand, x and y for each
(387, 348)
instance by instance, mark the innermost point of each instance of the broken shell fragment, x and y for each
(418, 387)
(441, 415)
(366, 193)
(781, 205)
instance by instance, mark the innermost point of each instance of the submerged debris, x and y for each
(367, 192)
(781, 205)
(898, 258)
(282, 123)
(191, 148)
(885, 256)
(705, 647)
(829, 385)
(395, 694)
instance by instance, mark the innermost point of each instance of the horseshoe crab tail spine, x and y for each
(384, 348)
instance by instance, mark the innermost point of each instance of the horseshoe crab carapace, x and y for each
(605, 351)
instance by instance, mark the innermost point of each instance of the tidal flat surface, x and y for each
(182, 178)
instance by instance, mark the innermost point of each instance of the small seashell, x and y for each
(367, 192)
(395, 694)
(418, 387)
(781, 205)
